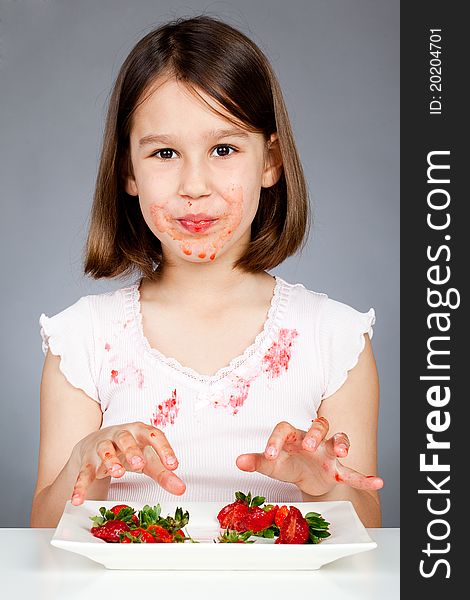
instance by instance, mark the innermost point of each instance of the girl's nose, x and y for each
(194, 180)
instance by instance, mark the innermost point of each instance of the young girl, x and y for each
(207, 375)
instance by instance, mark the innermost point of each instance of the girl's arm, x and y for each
(77, 457)
(336, 458)
(67, 416)
(354, 410)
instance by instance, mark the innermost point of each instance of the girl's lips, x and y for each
(196, 226)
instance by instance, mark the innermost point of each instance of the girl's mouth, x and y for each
(197, 226)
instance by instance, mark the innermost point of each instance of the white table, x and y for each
(31, 568)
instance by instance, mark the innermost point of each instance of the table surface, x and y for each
(31, 568)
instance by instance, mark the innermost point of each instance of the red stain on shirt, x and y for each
(276, 360)
(107, 347)
(128, 374)
(238, 398)
(166, 412)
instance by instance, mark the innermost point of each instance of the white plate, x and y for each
(348, 536)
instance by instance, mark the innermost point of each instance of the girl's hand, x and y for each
(307, 459)
(112, 451)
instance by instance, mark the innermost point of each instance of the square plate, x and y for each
(348, 536)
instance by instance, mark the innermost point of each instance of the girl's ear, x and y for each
(273, 162)
(128, 177)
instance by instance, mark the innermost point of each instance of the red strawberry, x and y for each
(160, 535)
(116, 510)
(226, 510)
(109, 532)
(281, 514)
(179, 536)
(294, 529)
(233, 515)
(257, 519)
(145, 536)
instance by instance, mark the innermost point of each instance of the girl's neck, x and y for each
(204, 285)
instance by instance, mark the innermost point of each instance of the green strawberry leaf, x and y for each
(240, 496)
(234, 537)
(149, 516)
(269, 532)
(125, 514)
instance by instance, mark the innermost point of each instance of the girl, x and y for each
(207, 375)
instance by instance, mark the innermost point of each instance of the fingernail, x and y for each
(170, 460)
(136, 460)
(343, 447)
(271, 451)
(310, 443)
(115, 468)
(75, 496)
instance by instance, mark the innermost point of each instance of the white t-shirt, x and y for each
(303, 354)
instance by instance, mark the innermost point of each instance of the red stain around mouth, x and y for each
(277, 358)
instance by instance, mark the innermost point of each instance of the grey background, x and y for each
(338, 64)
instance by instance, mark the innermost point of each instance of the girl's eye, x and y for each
(225, 150)
(165, 153)
(222, 151)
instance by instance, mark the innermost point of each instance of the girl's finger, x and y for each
(357, 480)
(337, 446)
(161, 445)
(282, 433)
(316, 434)
(256, 462)
(128, 445)
(84, 480)
(155, 469)
(111, 465)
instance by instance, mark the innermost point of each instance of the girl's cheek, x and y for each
(159, 217)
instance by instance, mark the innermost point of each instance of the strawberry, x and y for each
(258, 518)
(117, 509)
(120, 512)
(179, 536)
(110, 531)
(226, 510)
(233, 515)
(144, 536)
(160, 535)
(281, 514)
(294, 529)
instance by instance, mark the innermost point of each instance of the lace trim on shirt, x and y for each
(275, 314)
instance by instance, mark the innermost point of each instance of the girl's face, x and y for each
(198, 177)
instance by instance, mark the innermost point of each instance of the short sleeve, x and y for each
(342, 340)
(69, 334)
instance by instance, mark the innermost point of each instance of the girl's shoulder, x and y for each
(323, 309)
(336, 329)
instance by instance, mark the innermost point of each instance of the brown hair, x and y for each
(208, 54)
